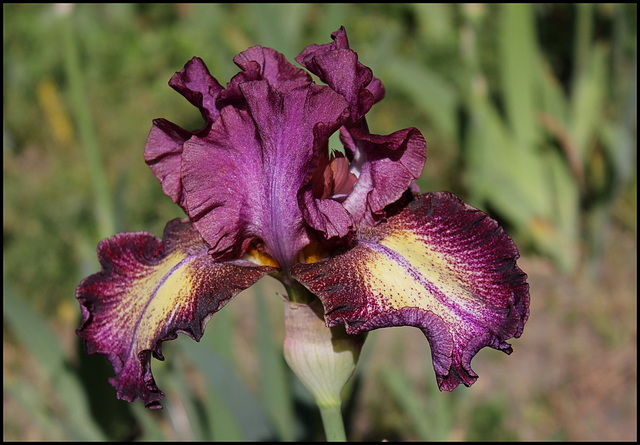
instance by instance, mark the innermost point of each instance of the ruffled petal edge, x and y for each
(147, 292)
(439, 265)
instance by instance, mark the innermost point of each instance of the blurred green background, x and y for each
(529, 113)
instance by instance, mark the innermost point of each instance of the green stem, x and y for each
(103, 206)
(298, 293)
(333, 424)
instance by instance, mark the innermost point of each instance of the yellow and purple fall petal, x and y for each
(148, 291)
(439, 265)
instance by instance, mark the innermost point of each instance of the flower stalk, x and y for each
(332, 422)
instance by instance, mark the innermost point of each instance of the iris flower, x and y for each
(264, 194)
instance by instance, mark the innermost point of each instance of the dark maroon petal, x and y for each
(326, 215)
(439, 265)
(386, 166)
(266, 63)
(199, 87)
(259, 63)
(147, 292)
(338, 66)
(163, 153)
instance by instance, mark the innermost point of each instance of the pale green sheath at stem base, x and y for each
(323, 359)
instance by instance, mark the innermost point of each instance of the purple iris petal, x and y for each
(242, 179)
(269, 64)
(163, 151)
(199, 87)
(439, 265)
(386, 165)
(148, 291)
(163, 154)
(338, 66)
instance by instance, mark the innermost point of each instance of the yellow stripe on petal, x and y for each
(147, 292)
(415, 282)
(442, 271)
(439, 265)
(170, 288)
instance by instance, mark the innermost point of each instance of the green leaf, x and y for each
(560, 239)
(512, 179)
(31, 329)
(432, 94)
(518, 56)
(151, 431)
(279, 26)
(552, 99)
(587, 102)
(181, 403)
(431, 419)
(32, 401)
(247, 412)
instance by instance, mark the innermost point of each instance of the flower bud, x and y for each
(323, 358)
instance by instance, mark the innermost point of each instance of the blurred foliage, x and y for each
(529, 112)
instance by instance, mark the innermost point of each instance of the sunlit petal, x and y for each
(243, 178)
(148, 291)
(338, 66)
(439, 265)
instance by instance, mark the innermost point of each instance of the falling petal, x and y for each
(439, 265)
(148, 291)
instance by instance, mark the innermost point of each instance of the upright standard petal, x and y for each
(265, 63)
(338, 66)
(163, 151)
(385, 167)
(199, 87)
(163, 154)
(440, 265)
(242, 180)
(259, 63)
(148, 291)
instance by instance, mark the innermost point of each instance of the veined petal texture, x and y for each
(338, 66)
(243, 178)
(439, 265)
(148, 291)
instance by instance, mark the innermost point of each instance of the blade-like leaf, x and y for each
(247, 411)
(517, 63)
(432, 94)
(587, 102)
(32, 331)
